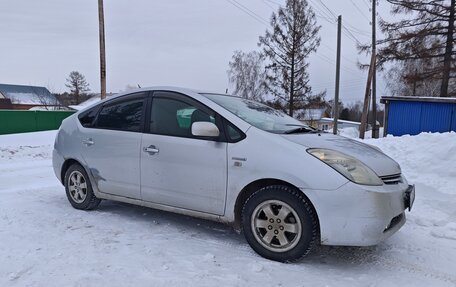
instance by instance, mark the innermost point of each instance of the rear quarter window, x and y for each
(88, 117)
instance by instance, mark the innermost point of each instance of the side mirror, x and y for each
(205, 129)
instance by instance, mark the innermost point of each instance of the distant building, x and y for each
(328, 124)
(19, 97)
(310, 116)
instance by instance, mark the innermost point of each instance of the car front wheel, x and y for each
(279, 223)
(79, 189)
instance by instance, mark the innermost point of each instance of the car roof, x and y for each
(147, 89)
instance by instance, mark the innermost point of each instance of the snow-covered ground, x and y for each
(45, 242)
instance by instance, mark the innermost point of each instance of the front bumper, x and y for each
(357, 215)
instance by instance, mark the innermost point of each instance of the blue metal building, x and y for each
(413, 115)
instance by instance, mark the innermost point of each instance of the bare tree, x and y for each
(78, 86)
(407, 79)
(425, 32)
(49, 102)
(247, 74)
(293, 37)
(45, 99)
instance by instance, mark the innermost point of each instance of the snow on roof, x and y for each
(49, 108)
(28, 95)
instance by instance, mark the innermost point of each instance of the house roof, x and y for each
(310, 114)
(28, 95)
(384, 100)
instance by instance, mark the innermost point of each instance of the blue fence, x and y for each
(413, 115)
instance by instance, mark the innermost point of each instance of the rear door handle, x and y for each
(88, 142)
(151, 150)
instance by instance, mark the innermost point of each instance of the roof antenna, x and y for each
(139, 86)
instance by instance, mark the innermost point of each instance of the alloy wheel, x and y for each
(77, 187)
(276, 226)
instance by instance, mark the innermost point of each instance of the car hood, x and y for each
(380, 163)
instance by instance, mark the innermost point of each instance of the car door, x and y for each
(178, 169)
(111, 147)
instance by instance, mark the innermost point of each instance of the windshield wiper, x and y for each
(302, 129)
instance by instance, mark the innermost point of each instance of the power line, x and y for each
(346, 83)
(359, 10)
(269, 5)
(274, 2)
(249, 12)
(331, 62)
(368, 5)
(323, 13)
(329, 10)
(358, 31)
(329, 14)
(343, 57)
(350, 35)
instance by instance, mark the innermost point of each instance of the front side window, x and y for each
(175, 118)
(123, 116)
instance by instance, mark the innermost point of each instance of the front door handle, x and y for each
(88, 142)
(151, 150)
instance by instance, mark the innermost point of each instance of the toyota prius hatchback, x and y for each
(287, 186)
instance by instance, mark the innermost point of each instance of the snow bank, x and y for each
(26, 146)
(349, 132)
(427, 157)
(29, 139)
(352, 132)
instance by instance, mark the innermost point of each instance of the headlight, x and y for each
(348, 166)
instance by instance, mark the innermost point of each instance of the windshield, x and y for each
(260, 115)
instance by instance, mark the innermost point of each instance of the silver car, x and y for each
(287, 186)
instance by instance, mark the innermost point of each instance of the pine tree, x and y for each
(293, 37)
(78, 86)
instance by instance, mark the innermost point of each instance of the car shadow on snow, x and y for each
(196, 227)
(347, 256)
(334, 256)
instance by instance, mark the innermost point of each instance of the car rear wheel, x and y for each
(79, 189)
(279, 223)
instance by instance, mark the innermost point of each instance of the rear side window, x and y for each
(86, 118)
(123, 116)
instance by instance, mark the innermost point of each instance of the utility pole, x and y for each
(336, 96)
(102, 49)
(374, 75)
(367, 94)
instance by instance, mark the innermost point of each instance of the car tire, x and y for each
(79, 188)
(280, 223)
